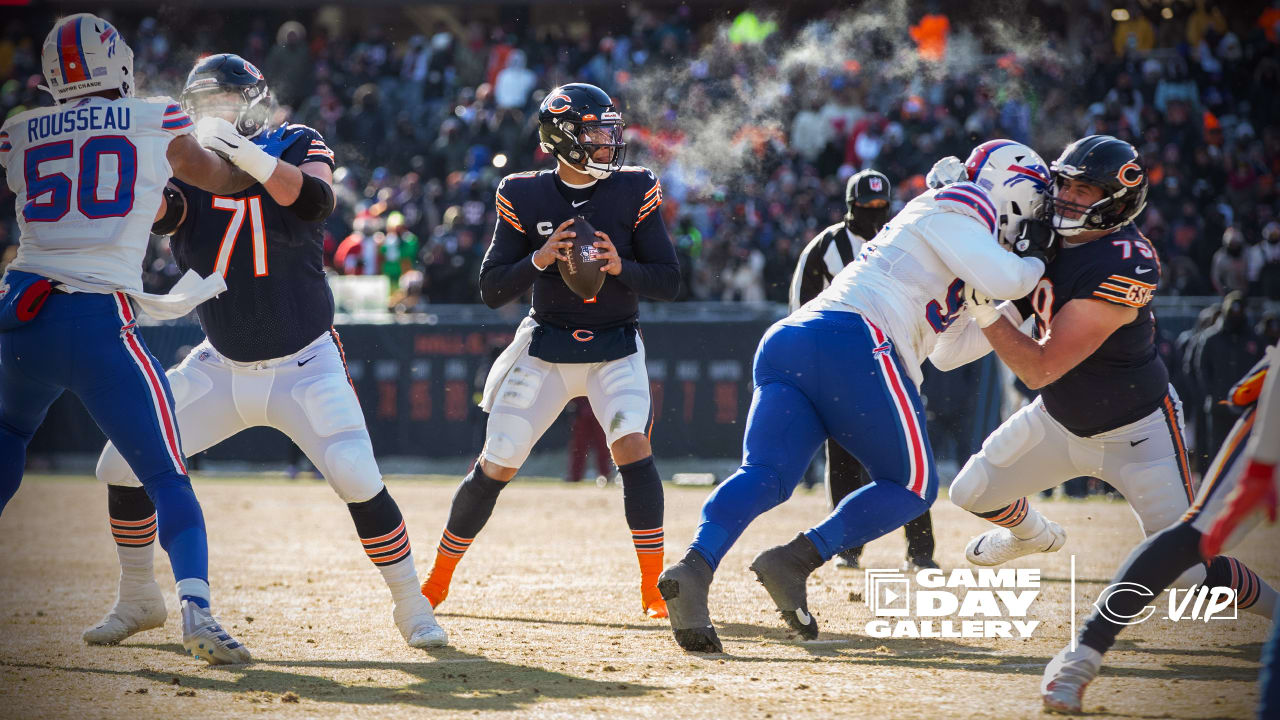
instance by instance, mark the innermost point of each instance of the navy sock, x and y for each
(181, 525)
(642, 494)
(381, 528)
(1155, 565)
(472, 505)
(864, 515)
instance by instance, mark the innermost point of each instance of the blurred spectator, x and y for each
(1230, 271)
(1264, 263)
(1226, 353)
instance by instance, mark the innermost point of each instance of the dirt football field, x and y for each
(545, 622)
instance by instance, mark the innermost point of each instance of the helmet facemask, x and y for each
(1087, 217)
(595, 148)
(247, 107)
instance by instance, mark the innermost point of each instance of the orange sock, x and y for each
(648, 545)
(449, 552)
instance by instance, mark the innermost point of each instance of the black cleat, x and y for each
(849, 560)
(918, 563)
(684, 586)
(783, 571)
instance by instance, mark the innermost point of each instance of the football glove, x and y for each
(946, 171)
(221, 137)
(1036, 239)
(983, 309)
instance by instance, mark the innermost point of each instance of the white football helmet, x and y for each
(84, 54)
(1016, 178)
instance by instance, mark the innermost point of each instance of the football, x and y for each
(583, 272)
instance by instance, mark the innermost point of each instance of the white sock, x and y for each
(1032, 525)
(136, 567)
(194, 588)
(402, 579)
(1266, 603)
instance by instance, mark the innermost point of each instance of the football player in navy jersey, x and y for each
(1106, 408)
(570, 347)
(271, 356)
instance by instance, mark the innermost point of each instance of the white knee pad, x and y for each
(352, 470)
(970, 484)
(1155, 492)
(330, 404)
(624, 415)
(113, 470)
(508, 440)
(521, 386)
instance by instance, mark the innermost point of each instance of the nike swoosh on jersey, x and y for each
(580, 202)
(304, 362)
(1142, 270)
(1136, 443)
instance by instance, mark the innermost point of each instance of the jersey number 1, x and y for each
(239, 207)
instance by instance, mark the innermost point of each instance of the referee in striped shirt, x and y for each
(867, 198)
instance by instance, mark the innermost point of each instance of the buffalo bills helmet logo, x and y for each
(249, 68)
(1033, 173)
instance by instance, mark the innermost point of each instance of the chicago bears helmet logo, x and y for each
(249, 68)
(559, 108)
(1130, 174)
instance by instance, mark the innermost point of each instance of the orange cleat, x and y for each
(654, 606)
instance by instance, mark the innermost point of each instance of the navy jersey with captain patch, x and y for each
(277, 299)
(1124, 380)
(623, 206)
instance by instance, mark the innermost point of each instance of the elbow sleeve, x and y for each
(315, 199)
(175, 209)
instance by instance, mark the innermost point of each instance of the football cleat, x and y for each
(918, 563)
(204, 638)
(143, 609)
(784, 570)
(684, 587)
(998, 546)
(417, 624)
(1066, 676)
(849, 560)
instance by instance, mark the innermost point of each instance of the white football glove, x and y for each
(948, 170)
(221, 137)
(983, 309)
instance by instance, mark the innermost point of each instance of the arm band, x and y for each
(175, 208)
(315, 199)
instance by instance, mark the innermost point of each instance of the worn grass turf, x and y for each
(545, 619)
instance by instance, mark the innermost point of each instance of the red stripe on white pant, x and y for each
(159, 400)
(919, 459)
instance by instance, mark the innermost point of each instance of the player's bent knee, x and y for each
(968, 487)
(625, 415)
(1013, 439)
(330, 405)
(188, 385)
(630, 448)
(352, 470)
(113, 470)
(508, 440)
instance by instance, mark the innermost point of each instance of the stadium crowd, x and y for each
(424, 125)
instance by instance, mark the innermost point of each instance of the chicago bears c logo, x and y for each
(559, 108)
(1130, 174)
(583, 335)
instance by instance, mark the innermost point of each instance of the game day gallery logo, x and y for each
(991, 603)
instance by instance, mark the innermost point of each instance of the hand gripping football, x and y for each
(583, 272)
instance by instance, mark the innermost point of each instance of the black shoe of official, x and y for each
(849, 560)
(918, 563)
(684, 586)
(784, 570)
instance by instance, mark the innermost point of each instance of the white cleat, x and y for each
(143, 609)
(417, 623)
(204, 638)
(998, 546)
(1066, 676)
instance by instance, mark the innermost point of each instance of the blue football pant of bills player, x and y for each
(88, 343)
(819, 375)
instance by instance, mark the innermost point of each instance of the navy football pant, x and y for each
(818, 375)
(87, 343)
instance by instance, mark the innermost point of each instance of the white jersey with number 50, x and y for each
(89, 177)
(909, 279)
